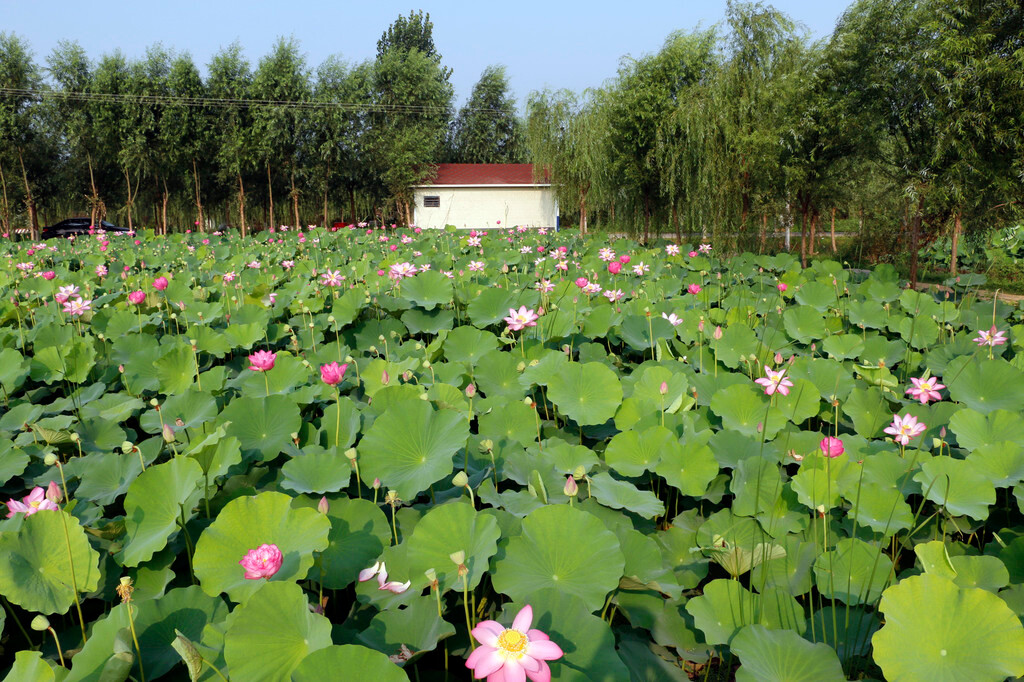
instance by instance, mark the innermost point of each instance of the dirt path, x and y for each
(983, 294)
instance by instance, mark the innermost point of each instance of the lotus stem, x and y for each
(74, 580)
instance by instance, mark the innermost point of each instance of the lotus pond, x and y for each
(336, 454)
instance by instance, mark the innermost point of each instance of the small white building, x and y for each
(485, 195)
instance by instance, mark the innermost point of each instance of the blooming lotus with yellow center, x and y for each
(512, 654)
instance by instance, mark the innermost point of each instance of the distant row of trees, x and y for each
(910, 118)
(153, 142)
(907, 122)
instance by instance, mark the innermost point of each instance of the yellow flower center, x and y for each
(512, 642)
(34, 505)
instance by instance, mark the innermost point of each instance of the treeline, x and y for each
(152, 142)
(908, 121)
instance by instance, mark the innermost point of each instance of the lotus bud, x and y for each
(323, 506)
(700, 325)
(350, 454)
(348, 359)
(663, 389)
(407, 376)
(385, 378)
(461, 480)
(425, 364)
(50, 459)
(778, 358)
(571, 489)
(470, 391)
(718, 332)
(40, 623)
(168, 433)
(376, 484)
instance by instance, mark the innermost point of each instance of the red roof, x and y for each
(483, 174)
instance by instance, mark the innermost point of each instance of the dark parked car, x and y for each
(77, 226)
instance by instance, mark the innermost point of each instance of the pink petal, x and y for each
(488, 664)
(514, 671)
(544, 649)
(542, 675)
(524, 619)
(535, 635)
(529, 663)
(498, 676)
(478, 653)
(368, 573)
(487, 632)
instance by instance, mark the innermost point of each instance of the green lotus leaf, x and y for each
(919, 332)
(12, 461)
(816, 484)
(743, 408)
(958, 485)
(689, 468)
(192, 406)
(186, 610)
(726, 607)
(359, 533)
(318, 471)
(869, 411)
(974, 429)
(215, 453)
(176, 369)
(497, 376)
(587, 393)
(30, 666)
(489, 306)
(804, 324)
(783, 655)
(881, 508)
(113, 407)
(71, 362)
(428, 289)
(587, 642)
(543, 556)
(450, 528)
(467, 345)
(985, 385)
(418, 627)
(99, 435)
(14, 367)
(269, 636)
(287, 374)
(677, 546)
(513, 421)
(263, 425)
(37, 567)
(157, 501)
(935, 630)
(246, 523)
(791, 572)
(756, 485)
(1002, 463)
(633, 453)
(618, 494)
(847, 629)
(410, 447)
(803, 402)
(854, 572)
(325, 663)
(340, 423)
(107, 476)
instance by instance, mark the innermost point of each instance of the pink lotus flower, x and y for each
(925, 389)
(613, 295)
(48, 275)
(905, 428)
(615, 267)
(519, 319)
(512, 654)
(77, 307)
(704, 248)
(782, 287)
(402, 270)
(380, 570)
(331, 278)
(673, 319)
(137, 297)
(693, 289)
(160, 283)
(692, 254)
(35, 501)
(582, 282)
(774, 381)
(333, 373)
(992, 337)
(101, 270)
(262, 562)
(624, 259)
(262, 360)
(671, 250)
(831, 447)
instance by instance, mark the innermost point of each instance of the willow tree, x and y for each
(18, 132)
(229, 79)
(564, 135)
(486, 129)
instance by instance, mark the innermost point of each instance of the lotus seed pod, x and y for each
(460, 480)
(50, 459)
(458, 558)
(351, 454)
(40, 623)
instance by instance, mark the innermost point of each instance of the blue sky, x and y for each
(554, 43)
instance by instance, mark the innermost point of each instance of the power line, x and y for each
(224, 102)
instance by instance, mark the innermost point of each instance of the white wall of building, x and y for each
(481, 207)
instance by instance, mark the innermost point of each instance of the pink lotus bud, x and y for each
(376, 484)
(160, 283)
(693, 289)
(49, 274)
(717, 333)
(582, 282)
(333, 373)
(323, 506)
(385, 378)
(470, 391)
(571, 487)
(778, 358)
(700, 325)
(53, 492)
(262, 361)
(615, 267)
(624, 259)
(262, 562)
(168, 433)
(663, 389)
(832, 447)
(692, 254)
(782, 286)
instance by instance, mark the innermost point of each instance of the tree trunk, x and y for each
(30, 202)
(675, 224)
(94, 198)
(834, 248)
(352, 204)
(241, 205)
(199, 204)
(270, 193)
(325, 225)
(128, 182)
(5, 216)
(764, 232)
(647, 218)
(166, 198)
(295, 202)
(814, 230)
(803, 235)
(956, 243)
(583, 211)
